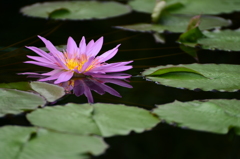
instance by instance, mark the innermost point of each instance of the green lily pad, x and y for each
(101, 119)
(221, 77)
(13, 139)
(76, 10)
(23, 86)
(218, 116)
(53, 145)
(227, 40)
(176, 23)
(15, 101)
(50, 91)
(30, 142)
(190, 6)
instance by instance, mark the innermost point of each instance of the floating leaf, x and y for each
(53, 145)
(218, 116)
(15, 101)
(222, 77)
(23, 86)
(13, 139)
(101, 119)
(76, 10)
(176, 23)
(190, 50)
(190, 6)
(222, 40)
(50, 91)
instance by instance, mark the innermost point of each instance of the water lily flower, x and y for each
(76, 61)
(85, 85)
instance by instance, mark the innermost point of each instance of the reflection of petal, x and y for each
(117, 82)
(78, 88)
(84, 85)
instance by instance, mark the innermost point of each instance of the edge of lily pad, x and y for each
(184, 88)
(89, 19)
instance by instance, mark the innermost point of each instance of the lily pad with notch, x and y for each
(207, 77)
(32, 142)
(76, 10)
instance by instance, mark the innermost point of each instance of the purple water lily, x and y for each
(85, 85)
(76, 61)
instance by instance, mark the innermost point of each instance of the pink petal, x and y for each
(39, 59)
(82, 45)
(96, 47)
(52, 77)
(43, 64)
(51, 47)
(28, 73)
(86, 65)
(40, 52)
(89, 47)
(51, 73)
(71, 47)
(108, 55)
(64, 76)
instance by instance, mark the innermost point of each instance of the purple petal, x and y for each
(117, 82)
(78, 88)
(110, 90)
(71, 47)
(82, 45)
(94, 85)
(96, 47)
(108, 55)
(88, 94)
(110, 76)
(64, 76)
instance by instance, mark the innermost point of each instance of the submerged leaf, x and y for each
(58, 13)
(101, 119)
(222, 77)
(50, 91)
(23, 86)
(193, 32)
(218, 115)
(76, 10)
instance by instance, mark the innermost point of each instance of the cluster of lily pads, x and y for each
(77, 130)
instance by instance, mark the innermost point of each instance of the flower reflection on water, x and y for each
(84, 85)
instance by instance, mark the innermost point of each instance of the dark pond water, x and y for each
(164, 141)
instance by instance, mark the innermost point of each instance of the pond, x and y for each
(180, 100)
